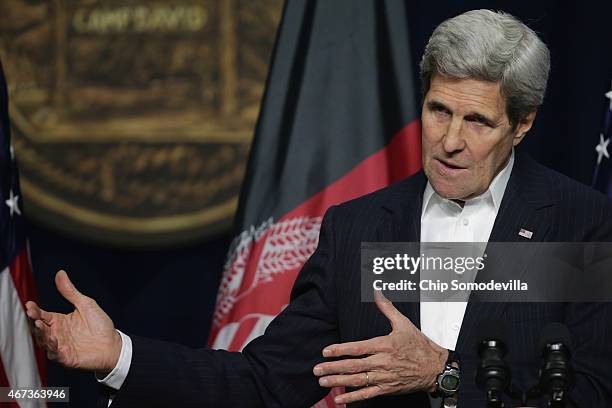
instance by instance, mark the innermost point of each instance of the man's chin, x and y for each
(450, 192)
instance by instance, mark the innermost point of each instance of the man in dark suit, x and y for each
(484, 76)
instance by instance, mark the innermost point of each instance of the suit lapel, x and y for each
(527, 205)
(402, 223)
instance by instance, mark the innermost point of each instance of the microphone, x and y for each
(556, 374)
(493, 374)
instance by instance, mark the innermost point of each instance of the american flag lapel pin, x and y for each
(525, 233)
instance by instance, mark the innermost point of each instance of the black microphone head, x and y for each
(556, 374)
(492, 374)
(555, 333)
(490, 329)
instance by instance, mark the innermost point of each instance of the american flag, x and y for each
(22, 365)
(602, 175)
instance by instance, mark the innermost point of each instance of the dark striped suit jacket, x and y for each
(275, 370)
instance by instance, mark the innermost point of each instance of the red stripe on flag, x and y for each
(23, 279)
(400, 158)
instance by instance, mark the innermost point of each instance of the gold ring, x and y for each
(367, 379)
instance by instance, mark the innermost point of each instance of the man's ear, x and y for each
(522, 128)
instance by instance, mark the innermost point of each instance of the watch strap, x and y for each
(453, 357)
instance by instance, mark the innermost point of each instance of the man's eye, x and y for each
(440, 110)
(478, 121)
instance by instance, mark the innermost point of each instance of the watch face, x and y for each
(449, 382)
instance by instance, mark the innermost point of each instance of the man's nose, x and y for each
(453, 140)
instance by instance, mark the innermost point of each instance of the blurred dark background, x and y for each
(169, 293)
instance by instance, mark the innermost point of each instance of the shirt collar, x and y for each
(495, 191)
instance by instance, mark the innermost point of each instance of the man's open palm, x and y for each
(85, 338)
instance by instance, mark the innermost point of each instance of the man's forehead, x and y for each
(467, 94)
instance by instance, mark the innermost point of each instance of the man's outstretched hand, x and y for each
(85, 338)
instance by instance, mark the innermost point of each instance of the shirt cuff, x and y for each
(117, 376)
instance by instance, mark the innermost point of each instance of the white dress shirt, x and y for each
(442, 220)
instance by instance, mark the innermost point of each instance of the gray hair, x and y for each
(491, 46)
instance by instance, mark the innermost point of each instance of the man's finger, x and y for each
(348, 366)
(32, 310)
(67, 289)
(350, 380)
(45, 336)
(36, 313)
(41, 334)
(359, 395)
(355, 348)
(53, 344)
(386, 307)
(36, 333)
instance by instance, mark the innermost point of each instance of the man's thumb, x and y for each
(387, 308)
(67, 289)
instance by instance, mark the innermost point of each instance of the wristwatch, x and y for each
(447, 382)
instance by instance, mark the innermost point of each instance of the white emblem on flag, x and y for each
(12, 203)
(287, 246)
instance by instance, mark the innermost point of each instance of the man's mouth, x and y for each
(450, 168)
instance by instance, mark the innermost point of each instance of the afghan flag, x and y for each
(338, 120)
(22, 364)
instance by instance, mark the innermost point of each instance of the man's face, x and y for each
(467, 137)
